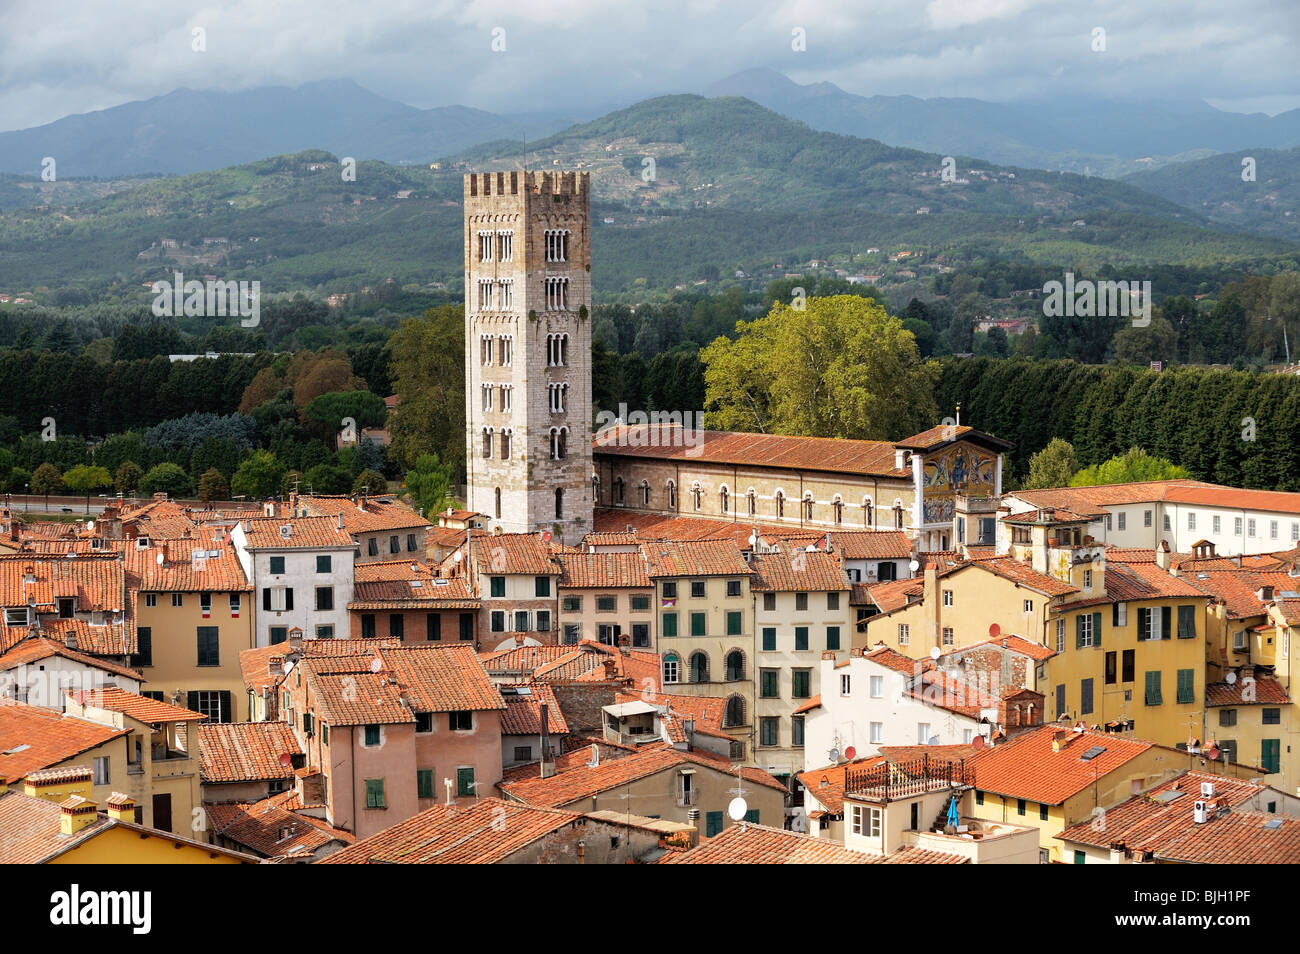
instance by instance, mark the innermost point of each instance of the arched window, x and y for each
(697, 494)
(645, 493)
(671, 488)
(808, 507)
(723, 499)
(898, 515)
(497, 494)
(618, 490)
(838, 504)
(866, 511)
(672, 668)
(780, 504)
(735, 666)
(559, 437)
(735, 714)
(559, 503)
(699, 667)
(752, 500)
(505, 443)
(595, 488)
(487, 442)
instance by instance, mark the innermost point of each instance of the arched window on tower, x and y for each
(779, 500)
(645, 493)
(671, 488)
(559, 503)
(618, 490)
(559, 438)
(724, 499)
(487, 442)
(838, 504)
(595, 489)
(752, 500)
(697, 495)
(505, 443)
(497, 495)
(808, 507)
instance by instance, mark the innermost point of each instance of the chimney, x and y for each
(58, 784)
(340, 521)
(309, 785)
(121, 807)
(275, 667)
(75, 814)
(546, 741)
(1265, 593)
(70, 639)
(1162, 555)
(610, 670)
(1061, 738)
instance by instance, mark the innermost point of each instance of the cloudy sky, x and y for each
(80, 55)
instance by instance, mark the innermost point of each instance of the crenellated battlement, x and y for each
(536, 182)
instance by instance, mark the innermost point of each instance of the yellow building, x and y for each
(194, 614)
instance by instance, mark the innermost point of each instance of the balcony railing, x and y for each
(893, 780)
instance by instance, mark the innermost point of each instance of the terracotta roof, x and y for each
(775, 451)
(486, 832)
(896, 661)
(574, 758)
(246, 751)
(870, 544)
(188, 566)
(36, 648)
(138, 707)
(707, 712)
(942, 434)
(404, 585)
(1025, 575)
(1267, 692)
(380, 512)
(894, 594)
(583, 782)
(1184, 491)
(30, 828)
(32, 737)
(596, 570)
(514, 553)
(650, 526)
(268, 830)
(1048, 515)
(826, 784)
(1129, 555)
(746, 843)
(1016, 644)
(1026, 767)
(1240, 589)
(797, 570)
(109, 639)
(694, 558)
(814, 703)
(1144, 581)
(523, 715)
(305, 533)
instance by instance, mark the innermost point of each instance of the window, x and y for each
(1060, 635)
(460, 721)
(699, 667)
(1186, 686)
(1112, 668)
(101, 769)
(424, 722)
(324, 597)
(698, 624)
(769, 639)
(178, 599)
(1167, 522)
(143, 656)
(1085, 697)
(800, 637)
(697, 588)
(557, 245)
(497, 586)
(277, 564)
(1236, 526)
(571, 604)
(467, 626)
(543, 621)
(800, 683)
(733, 622)
(640, 604)
(497, 621)
(432, 627)
(1029, 606)
(1020, 806)
(1250, 527)
(846, 684)
(735, 712)
(767, 683)
(923, 734)
(865, 821)
(394, 544)
(372, 546)
(947, 636)
(1272, 529)
(735, 666)
(733, 587)
(1087, 579)
(559, 440)
(1060, 700)
(768, 730)
(1152, 696)
(1227, 717)
(424, 783)
(1123, 519)
(769, 602)
(904, 634)
(832, 638)
(1270, 755)
(670, 589)
(1128, 670)
(1191, 520)
(670, 668)
(522, 621)
(214, 704)
(1187, 622)
(669, 626)
(606, 604)
(542, 586)
(640, 635)
(1085, 630)
(371, 736)
(779, 500)
(723, 500)
(279, 634)
(947, 597)
(1146, 518)
(396, 626)
(1272, 717)
(375, 793)
(150, 599)
(209, 646)
(1042, 812)
(796, 731)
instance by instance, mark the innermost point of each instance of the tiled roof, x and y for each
(583, 782)
(827, 784)
(270, 831)
(1170, 491)
(158, 518)
(383, 512)
(894, 594)
(1145, 581)
(514, 553)
(305, 533)
(650, 526)
(1050, 515)
(592, 570)
(30, 828)
(694, 558)
(522, 660)
(246, 751)
(97, 582)
(1129, 555)
(589, 664)
(523, 715)
(188, 566)
(36, 648)
(707, 712)
(775, 451)
(814, 703)
(1024, 574)
(746, 843)
(486, 832)
(348, 691)
(797, 570)
(407, 585)
(1026, 767)
(870, 544)
(1161, 819)
(1268, 692)
(109, 639)
(138, 707)
(32, 737)
(909, 855)
(894, 660)
(1016, 644)
(1240, 589)
(573, 758)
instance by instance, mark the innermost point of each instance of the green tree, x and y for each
(327, 479)
(47, 480)
(428, 368)
(127, 478)
(84, 478)
(258, 477)
(329, 410)
(213, 486)
(841, 367)
(1132, 466)
(1156, 341)
(429, 485)
(371, 482)
(166, 478)
(1053, 466)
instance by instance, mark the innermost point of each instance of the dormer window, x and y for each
(16, 617)
(142, 543)
(67, 606)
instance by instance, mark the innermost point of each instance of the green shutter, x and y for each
(1078, 631)
(1166, 622)
(1186, 685)
(1270, 755)
(670, 624)
(1144, 624)
(733, 623)
(1096, 629)
(698, 624)
(424, 783)
(712, 823)
(464, 781)
(832, 637)
(1187, 622)
(1153, 688)
(752, 816)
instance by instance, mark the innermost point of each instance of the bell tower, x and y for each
(528, 351)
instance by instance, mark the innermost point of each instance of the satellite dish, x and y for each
(934, 652)
(90, 526)
(1212, 753)
(376, 664)
(914, 566)
(1230, 678)
(994, 631)
(737, 808)
(286, 759)
(833, 755)
(850, 753)
(456, 557)
(159, 558)
(753, 539)
(546, 536)
(932, 740)
(977, 743)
